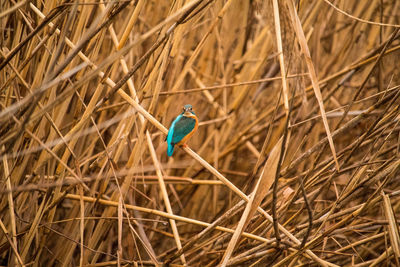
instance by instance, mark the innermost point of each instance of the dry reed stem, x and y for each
(393, 226)
(280, 52)
(313, 76)
(11, 242)
(11, 207)
(131, 23)
(165, 195)
(166, 215)
(265, 181)
(362, 20)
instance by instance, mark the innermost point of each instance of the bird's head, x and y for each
(187, 110)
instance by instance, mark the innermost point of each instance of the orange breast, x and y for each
(186, 138)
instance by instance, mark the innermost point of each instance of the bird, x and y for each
(182, 128)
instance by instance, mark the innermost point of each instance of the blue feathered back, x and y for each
(180, 127)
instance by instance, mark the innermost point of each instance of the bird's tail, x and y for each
(170, 150)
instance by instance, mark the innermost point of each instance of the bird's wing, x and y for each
(171, 129)
(181, 127)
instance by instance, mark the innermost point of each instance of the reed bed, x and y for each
(295, 163)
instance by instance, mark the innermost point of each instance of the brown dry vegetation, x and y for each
(295, 161)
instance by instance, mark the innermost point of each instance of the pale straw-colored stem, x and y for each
(164, 194)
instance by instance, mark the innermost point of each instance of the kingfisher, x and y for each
(182, 128)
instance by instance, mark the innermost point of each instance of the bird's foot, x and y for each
(184, 146)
